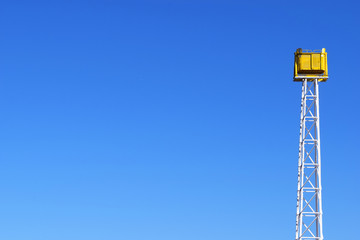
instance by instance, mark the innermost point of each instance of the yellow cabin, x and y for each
(310, 65)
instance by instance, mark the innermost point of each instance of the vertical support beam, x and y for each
(319, 195)
(309, 206)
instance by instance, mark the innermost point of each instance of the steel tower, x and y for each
(310, 69)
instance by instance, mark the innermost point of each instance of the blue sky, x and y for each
(171, 120)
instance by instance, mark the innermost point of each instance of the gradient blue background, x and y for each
(171, 120)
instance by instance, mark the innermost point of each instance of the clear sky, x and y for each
(171, 120)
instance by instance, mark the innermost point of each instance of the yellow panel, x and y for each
(304, 62)
(310, 65)
(323, 62)
(316, 63)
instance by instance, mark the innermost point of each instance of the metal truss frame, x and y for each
(309, 201)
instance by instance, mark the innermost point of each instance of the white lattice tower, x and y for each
(309, 204)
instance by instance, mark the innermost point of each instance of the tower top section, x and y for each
(310, 64)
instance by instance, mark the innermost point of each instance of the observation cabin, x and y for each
(310, 65)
